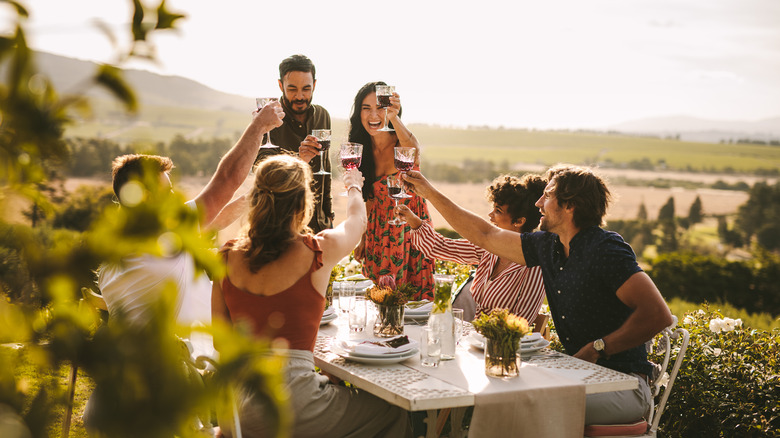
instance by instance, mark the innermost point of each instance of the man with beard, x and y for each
(605, 307)
(297, 81)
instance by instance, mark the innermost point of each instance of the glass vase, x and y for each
(501, 358)
(441, 318)
(389, 321)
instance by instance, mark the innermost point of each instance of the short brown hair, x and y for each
(135, 167)
(582, 189)
(519, 195)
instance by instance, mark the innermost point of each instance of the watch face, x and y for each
(598, 344)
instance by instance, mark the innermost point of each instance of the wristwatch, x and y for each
(599, 346)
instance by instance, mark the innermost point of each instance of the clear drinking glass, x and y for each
(346, 296)
(430, 347)
(395, 189)
(383, 93)
(323, 138)
(261, 102)
(357, 314)
(458, 315)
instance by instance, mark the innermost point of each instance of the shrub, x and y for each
(729, 382)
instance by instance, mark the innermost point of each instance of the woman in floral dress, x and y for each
(386, 248)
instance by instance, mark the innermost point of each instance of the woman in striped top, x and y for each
(498, 283)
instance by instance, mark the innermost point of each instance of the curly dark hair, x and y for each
(358, 134)
(579, 187)
(519, 195)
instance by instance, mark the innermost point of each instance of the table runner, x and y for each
(537, 403)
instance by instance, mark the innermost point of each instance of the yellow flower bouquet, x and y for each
(502, 331)
(390, 299)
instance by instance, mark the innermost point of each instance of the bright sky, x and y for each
(514, 63)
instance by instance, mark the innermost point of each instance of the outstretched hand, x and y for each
(353, 177)
(270, 116)
(416, 182)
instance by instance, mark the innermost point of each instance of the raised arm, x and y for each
(230, 213)
(650, 316)
(503, 243)
(405, 136)
(436, 246)
(235, 165)
(340, 241)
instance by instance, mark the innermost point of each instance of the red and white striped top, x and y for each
(518, 288)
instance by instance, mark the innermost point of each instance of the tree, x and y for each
(666, 213)
(762, 209)
(695, 213)
(642, 214)
(669, 241)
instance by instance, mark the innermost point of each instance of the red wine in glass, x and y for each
(383, 101)
(403, 165)
(350, 161)
(325, 144)
(394, 192)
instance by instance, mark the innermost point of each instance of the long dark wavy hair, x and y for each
(358, 134)
(281, 197)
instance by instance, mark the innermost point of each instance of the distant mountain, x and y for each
(695, 129)
(70, 75)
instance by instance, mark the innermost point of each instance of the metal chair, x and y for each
(649, 427)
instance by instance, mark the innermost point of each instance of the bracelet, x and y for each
(355, 186)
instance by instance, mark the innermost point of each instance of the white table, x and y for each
(458, 383)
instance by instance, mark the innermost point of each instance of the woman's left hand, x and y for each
(353, 177)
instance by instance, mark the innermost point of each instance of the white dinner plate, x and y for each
(536, 346)
(328, 318)
(379, 360)
(476, 340)
(412, 345)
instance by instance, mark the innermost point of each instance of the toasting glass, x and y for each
(261, 102)
(395, 187)
(404, 161)
(383, 93)
(350, 154)
(323, 138)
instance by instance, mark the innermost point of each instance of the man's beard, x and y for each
(289, 104)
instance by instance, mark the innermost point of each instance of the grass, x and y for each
(29, 379)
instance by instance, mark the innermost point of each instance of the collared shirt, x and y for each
(582, 289)
(517, 288)
(289, 136)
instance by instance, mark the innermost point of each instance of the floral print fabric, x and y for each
(389, 248)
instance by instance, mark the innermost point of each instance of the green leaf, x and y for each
(111, 78)
(165, 19)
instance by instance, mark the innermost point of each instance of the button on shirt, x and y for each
(582, 289)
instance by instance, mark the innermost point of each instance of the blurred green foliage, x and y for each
(147, 383)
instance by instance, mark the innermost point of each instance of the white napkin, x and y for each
(329, 311)
(368, 348)
(424, 309)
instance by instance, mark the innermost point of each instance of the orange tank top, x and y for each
(293, 314)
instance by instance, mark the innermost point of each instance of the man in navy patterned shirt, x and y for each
(604, 306)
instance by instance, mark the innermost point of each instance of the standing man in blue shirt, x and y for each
(297, 80)
(604, 306)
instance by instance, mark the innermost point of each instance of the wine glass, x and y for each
(261, 102)
(323, 138)
(383, 93)
(395, 187)
(351, 154)
(404, 161)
